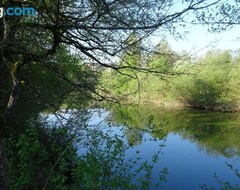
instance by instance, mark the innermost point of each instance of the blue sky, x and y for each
(198, 38)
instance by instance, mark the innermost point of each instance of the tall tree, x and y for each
(97, 29)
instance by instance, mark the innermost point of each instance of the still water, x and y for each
(194, 145)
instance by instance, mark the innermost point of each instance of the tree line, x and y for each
(207, 82)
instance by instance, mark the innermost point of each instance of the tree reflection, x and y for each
(134, 136)
(216, 133)
(62, 151)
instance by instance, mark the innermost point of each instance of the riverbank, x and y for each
(175, 105)
(210, 82)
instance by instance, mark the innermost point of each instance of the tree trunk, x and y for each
(14, 96)
(5, 84)
(9, 78)
(10, 61)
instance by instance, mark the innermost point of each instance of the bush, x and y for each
(212, 84)
(47, 157)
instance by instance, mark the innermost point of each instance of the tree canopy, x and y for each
(96, 30)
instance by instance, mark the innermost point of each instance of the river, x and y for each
(121, 147)
(200, 149)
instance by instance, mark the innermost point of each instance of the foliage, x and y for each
(210, 82)
(207, 129)
(36, 58)
(224, 185)
(133, 84)
(97, 31)
(55, 157)
(213, 83)
(39, 158)
(104, 166)
(48, 88)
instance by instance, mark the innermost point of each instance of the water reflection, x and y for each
(99, 149)
(216, 133)
(198, 144)
(72, 149)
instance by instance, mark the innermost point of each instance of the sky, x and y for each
(199, 40)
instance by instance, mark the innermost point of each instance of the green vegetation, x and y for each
(55, 157)
(223, 185)
(214, 132)
(213, 84)
(51, 63)
(209, 82)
